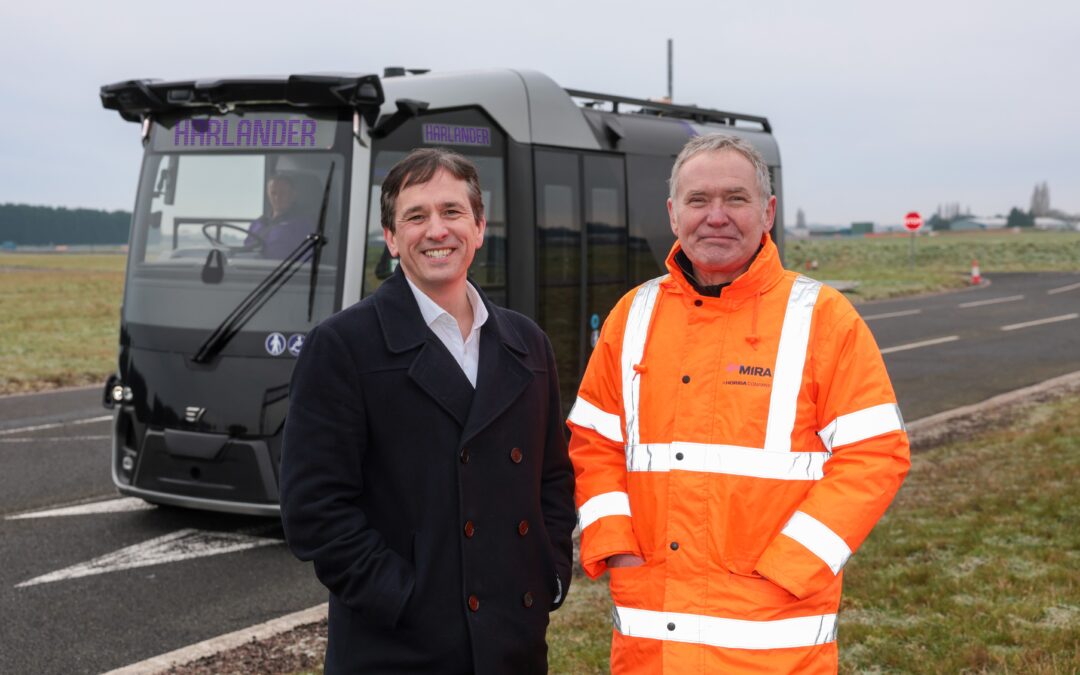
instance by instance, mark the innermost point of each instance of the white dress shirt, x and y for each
(466, 352)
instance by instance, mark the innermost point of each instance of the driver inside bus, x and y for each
(277, 234)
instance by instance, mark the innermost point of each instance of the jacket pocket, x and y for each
(750, 512)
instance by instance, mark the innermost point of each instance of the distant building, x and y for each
(1048, 223)
(980, 223)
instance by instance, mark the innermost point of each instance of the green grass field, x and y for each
(975, 567)
(60, 318)
(943, 261)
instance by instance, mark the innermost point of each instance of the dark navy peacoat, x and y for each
(438, 516)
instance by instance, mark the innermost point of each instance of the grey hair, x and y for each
(721, 143)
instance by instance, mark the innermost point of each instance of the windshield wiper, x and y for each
(318, 249)
(277, 278)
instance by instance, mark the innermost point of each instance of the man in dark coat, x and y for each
(424, 468)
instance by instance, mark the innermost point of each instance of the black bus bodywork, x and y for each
(575, 186)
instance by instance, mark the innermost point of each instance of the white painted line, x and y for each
(54, 425)
(119, 505)
(180, 545)
(51, 439)
(222, 643)
(890, 315)
(1039, 322)
(916, 345)
(1070, 287)
(991, 301)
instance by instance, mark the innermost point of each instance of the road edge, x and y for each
(939, 428)
(223, 643)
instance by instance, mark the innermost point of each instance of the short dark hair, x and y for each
(419, 167)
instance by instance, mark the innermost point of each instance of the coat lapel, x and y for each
(433, 369)
(502, 375)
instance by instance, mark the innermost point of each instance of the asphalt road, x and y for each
(85, 591)
(954, 349)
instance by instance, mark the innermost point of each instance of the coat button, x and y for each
(469, 528)
(464, 455)
(474, 603)
(678, 456)
(697, 303)
(516, 455)
(523, 528)
(686, 379)
(674, 546)
(527, 599)
(671, 626)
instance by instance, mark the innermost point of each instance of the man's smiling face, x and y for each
(436, 235)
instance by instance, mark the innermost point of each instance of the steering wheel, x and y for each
(220, 225)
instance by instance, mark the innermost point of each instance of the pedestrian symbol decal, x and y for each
(275, 344)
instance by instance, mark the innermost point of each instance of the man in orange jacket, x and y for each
(735, 439)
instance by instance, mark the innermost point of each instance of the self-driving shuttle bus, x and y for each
(257, 215)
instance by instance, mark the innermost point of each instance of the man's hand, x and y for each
(625, 560)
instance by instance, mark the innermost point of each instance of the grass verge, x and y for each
(942, 262)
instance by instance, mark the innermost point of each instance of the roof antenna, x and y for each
(670, 68)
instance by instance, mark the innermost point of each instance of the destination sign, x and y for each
(455, 134)
(267, 131)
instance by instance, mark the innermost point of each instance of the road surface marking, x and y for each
(889, 315)
(916, 345)
(52, 439)
(174, 547)
(118, 505)
(991, 301)
(1070, 287)
(1039, 322)
(53, 425)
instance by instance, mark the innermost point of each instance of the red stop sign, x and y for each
(913, 221)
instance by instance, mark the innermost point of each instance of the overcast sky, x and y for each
(878, 108)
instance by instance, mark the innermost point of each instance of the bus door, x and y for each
(582, 264)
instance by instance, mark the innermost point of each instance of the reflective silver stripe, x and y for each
(861, 425)
(803, 631)
(585, 414)
(633, 348)
(790, 358)
(819, 539)
(607, 504)
(732, 460)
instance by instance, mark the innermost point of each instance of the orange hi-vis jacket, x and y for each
(744, 446)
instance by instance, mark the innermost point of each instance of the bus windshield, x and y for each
(222, 201)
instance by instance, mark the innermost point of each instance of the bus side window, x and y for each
(558, 227)
(650, 228)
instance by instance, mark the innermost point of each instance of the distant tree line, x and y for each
(26, 225)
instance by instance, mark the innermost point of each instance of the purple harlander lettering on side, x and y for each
(445, 133)
(260, 133)
(485, 136)
(459, 135)
(277, 138)
(225, 142)
(243, 133)
(307, 133)
(213, 132)
(181, 132)
(198, 131)
(428, 132)
(294, 131)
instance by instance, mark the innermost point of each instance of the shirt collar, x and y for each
(431, 311)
